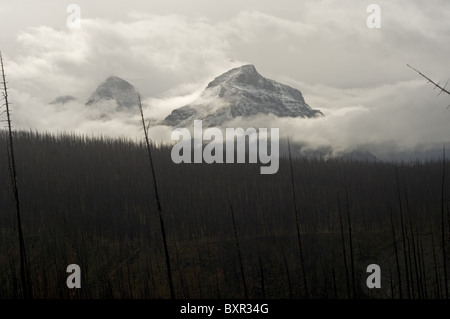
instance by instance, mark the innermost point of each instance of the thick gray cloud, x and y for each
(170, 50)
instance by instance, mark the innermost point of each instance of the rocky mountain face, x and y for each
(241, 92)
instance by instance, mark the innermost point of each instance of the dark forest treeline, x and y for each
(90, 201)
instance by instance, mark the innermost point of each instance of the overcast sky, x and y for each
(169, 50)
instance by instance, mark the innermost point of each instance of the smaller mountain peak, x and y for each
(117, 89)
(63, 99)
(248, 68)
(114, 78)
(115, 81)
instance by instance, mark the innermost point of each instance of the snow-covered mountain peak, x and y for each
(241, 92)
(245, 74)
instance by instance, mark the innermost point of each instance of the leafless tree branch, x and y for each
(437, 85)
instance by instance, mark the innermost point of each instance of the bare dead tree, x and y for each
(399, 274)
(442, 89)
(344, 254)
(436, 266)
(158, 202)
(436, 85)
(261, 270)
(443, 226)
(236, 240)
(24, 273)
(297, 224)
(408, 290)
(352, 259)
